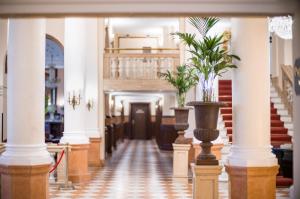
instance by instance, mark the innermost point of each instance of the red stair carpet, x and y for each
(279, 134)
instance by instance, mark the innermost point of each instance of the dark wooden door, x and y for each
(140, 120)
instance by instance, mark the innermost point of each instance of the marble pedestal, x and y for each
(205, 181)
(252, 182)
(181, 160)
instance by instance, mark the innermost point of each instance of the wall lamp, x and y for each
(74, 100)
(90, 104)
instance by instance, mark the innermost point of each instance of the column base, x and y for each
(94, 152)
(252, 182)
(181, 160)
(215, 149)
(205, 181)
(78, 163)
(25, 182)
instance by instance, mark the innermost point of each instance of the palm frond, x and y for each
(203, 24)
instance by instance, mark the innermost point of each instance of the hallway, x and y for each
(137, 169)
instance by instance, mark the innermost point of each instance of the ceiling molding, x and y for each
(56, 8)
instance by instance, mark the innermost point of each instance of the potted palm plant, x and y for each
(210, 60)
(183, 79)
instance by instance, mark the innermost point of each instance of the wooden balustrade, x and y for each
(287, 87)
(134, 66)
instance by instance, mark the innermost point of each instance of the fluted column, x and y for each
(74, 79)
(251, 155)
(25, 163)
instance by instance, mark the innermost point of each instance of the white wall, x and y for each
(281, 54)
(168, 100)
(155, 27)
(56, 28)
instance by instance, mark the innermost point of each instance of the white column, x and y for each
(91, 79)
(26, 83)
(101, 98)
(251, 94)
(3, 50)
(74, 75)
(296, 108)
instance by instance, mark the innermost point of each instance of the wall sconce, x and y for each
(74, 100)
(90, 104)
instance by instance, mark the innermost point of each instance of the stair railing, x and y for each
(287, 88)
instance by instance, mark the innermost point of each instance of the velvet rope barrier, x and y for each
(57, 163)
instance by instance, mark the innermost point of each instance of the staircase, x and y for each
(225, 95)
(281, 122)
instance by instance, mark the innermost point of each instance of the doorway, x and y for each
(140, 120)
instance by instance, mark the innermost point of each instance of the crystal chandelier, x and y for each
(281, 26)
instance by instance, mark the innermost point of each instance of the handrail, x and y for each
(141, 55)
(288, 71)
(141, 49)
(287, 87)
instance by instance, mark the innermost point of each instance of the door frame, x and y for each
(148, 118)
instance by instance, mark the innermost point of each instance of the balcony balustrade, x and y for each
(120, 66)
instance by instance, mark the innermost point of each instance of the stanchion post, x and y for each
(67, 184)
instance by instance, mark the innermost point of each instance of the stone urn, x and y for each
(206, 116)
(181, 124)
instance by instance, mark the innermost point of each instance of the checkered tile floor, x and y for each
(137, 170)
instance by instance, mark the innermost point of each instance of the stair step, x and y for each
(275, 117)
(281, 137)
(225, 92)
(277, 144)
(276, 100)
(289, 125)
(226, 110)
(282, 112)
(228, 123)
(278, 130)
(225, 98)
(225, 87)
(283, 182)
(230, 137)
(285, 118)
(277, 123)
(274, 94)
(227, 117)
(273, 111)
(225, 81)
(229, 130)
(279, 106)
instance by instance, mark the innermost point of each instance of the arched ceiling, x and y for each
(54, 53)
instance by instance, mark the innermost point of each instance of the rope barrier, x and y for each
(57, 163)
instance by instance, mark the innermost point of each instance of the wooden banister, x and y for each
(287, 71)
(287, 87)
